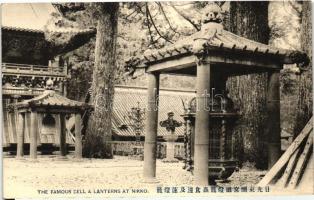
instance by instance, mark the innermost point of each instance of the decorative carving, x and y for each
(213, 14)
(302, 60)
(49, 84)
(170, 123)
(12, 84)
(24, 48)
(211, 26)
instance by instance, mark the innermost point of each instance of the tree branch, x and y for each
(150, 16)
(295, 8)
(185, 17)
(148, 25)
(165, 17)
(130, 15)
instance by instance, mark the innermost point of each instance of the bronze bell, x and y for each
(48, 125)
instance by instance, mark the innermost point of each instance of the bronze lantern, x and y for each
(221, 160)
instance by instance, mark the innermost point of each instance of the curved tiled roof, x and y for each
(127, 97)
(56, 30)
(214, 37)
(52, 99)
(11, 28)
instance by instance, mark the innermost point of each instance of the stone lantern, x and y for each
(170, 124)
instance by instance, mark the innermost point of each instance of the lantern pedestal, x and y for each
(170, 139)
(221, 169)
(138, 152)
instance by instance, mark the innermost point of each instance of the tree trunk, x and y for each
(99, 135)
(250, 20)
(304, 106)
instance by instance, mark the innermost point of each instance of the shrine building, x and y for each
(28, 62)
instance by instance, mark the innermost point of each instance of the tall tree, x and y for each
(250, 20)
(104, 72)
(305, 95)
(97, 57)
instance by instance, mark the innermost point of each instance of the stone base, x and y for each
(20, 158)
(150, 180)
(170, 160)
(33, 160)
(78, 160)
(61, 158)
(137, 157)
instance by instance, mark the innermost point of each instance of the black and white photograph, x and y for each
(156, 98)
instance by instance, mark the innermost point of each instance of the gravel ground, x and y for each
(24, 178)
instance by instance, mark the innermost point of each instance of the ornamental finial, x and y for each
(212, 14)
(49, 84)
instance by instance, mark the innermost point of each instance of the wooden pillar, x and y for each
(151, 126)
(273, 124)
(20, 136)
(62, 135)
(78, 136)
(33, 135)
(202, 125)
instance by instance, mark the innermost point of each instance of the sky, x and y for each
(26, 15)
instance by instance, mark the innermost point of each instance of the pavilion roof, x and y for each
(215, 38)
(50, 98)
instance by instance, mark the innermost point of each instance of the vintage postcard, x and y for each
(156, 99)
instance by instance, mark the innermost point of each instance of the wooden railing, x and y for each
(21, 91)
(32, 69)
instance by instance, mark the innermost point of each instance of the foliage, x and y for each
(147, 25)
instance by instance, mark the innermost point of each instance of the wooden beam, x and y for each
(301, 162)
(289, 170)
(243, 60)
(254, 63)
(52, 110)
(287, 155)
(172, 65)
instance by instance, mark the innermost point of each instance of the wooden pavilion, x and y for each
(212, 55)
(48, 103)
(28, 61)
